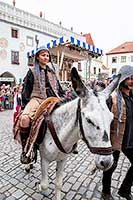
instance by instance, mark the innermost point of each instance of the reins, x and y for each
(54, 134)
(95, 150)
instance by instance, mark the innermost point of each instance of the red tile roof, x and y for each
(89, 39)
(126, 47)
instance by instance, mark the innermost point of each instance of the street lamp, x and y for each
(36, 40)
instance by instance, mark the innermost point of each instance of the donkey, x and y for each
(88, 118)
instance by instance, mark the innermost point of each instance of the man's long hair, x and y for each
(36, 65)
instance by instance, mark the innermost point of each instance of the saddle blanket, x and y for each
(45, 109)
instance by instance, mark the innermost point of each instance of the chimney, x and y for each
(40, 14)
(14, 3)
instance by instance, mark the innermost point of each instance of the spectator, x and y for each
(17, 102)
(121, 105)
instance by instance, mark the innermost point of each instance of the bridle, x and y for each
(94, 150)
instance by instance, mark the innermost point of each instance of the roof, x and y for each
(126, 47)
(89, 39)
(71, 43)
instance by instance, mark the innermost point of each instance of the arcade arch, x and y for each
(7, 78)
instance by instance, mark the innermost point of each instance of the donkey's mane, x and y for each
(61, 103)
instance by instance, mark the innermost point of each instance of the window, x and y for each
(99, 70)
(94, 70)
(114, 59)
(29, 41)
(123, 59)
(114, 71)
(79, 66)
(30, 61)
(14, 33)
(131, 58)
(15, 57)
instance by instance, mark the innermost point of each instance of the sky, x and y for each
(108, 21)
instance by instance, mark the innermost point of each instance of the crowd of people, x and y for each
(7, 95)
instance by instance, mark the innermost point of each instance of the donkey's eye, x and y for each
(90, 122)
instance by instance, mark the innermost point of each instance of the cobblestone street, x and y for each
(78, 183)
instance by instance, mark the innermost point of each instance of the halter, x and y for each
(94, 150)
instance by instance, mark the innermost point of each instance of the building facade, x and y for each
(20, 33)
(119, 56)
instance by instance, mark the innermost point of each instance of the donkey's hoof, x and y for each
(31, 166)
(40, 190)
(27, 170)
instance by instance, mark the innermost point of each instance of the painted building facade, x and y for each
(21, 32)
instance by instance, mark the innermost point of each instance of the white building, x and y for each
(91, 68)
(20, 33)
(119, 56)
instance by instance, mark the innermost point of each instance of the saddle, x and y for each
(45, 109)
(16, 128)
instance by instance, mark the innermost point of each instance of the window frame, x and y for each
(30, 61)
(95, 70)
(31, 39)
(13, 34)
(114, 59)
(14, 55)
(123, 59)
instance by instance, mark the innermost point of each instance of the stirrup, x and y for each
(24, 159)
(29, 159)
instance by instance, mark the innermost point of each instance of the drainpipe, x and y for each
(88, 67)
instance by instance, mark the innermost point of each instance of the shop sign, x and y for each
(6, 79)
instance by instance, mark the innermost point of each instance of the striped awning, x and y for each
(71, 42)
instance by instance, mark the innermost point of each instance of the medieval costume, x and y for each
(121, 105)
(40, 83)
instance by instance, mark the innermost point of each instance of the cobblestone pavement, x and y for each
(78, 183)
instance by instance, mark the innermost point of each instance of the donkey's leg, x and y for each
(59, 178)
(44, 169)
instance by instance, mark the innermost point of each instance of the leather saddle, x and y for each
(38, 125)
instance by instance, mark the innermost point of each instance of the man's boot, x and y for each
(125, 195)
(75, 151)
(125, 188)
(24, 133)
(125, 191)
(107, 196)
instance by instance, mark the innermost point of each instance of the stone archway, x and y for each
(8, 79)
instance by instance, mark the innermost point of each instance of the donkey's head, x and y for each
(95, 119)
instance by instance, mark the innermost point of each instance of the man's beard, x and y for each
(128, 87)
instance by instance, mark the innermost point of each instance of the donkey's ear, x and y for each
(77, 83)
(111, 87)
